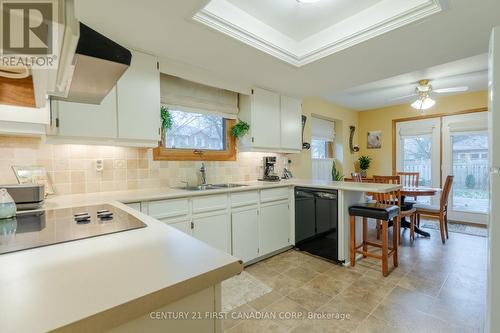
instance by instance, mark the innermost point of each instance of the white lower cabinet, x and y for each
(184, 226)
(247, 224)
(274, 224)
(214, 229)
(245, 232)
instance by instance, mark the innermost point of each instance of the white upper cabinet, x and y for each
(291, 123)
(138, 93)
(265, 119)
(128, 115)
(275, 122)
(87, 120)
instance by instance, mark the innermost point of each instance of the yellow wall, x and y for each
(343, 117)
(381, 119)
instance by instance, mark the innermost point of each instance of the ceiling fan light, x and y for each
(423, 103)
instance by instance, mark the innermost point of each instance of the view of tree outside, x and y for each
(470, 168)
(196, 131)
(417, 157)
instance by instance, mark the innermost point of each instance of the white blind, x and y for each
(322, 129)
(416, 129)
(196, 97)
(322, 169)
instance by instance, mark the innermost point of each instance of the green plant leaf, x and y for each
(240, 129)
(166, 118)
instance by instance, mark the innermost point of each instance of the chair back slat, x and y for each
(446, 192)
(390, 198)
(409, 179)
(356, 177)
(387, 179)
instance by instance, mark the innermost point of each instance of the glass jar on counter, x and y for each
(7, 205)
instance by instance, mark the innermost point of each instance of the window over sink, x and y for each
(196, 131)
(202, 117)
(196, 136)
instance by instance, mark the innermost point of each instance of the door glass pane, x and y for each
(417, 157)
(470, 167)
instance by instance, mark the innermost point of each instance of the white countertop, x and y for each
(97, 279)
(101, 278)
(171, 193)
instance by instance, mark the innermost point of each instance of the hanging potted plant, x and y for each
(166, 124)
(364, 164)
(240, 129)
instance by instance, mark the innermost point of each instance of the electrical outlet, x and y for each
(99, 165)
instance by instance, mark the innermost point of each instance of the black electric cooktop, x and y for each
(35, 229)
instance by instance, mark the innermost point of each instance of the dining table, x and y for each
(416, 192)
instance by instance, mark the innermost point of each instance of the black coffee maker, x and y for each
(269, 175)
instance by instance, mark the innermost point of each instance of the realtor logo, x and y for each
(28, 33)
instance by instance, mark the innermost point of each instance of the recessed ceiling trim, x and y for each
(372, 22)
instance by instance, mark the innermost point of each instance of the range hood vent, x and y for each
(99, 63)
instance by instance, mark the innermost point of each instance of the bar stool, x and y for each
(379, 212)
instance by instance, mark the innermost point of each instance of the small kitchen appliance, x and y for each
(269, 174)
(26, 196)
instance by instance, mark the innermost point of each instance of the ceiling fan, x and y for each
(423, 93)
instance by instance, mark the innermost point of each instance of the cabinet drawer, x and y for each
(246, 198)
(210, 203)
(135, 205)
(274, 194)
(168, 208)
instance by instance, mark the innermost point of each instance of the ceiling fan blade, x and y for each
(401, 97)
(451, 90)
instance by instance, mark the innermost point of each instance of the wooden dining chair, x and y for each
(410, 213)
(441, 211)
(409, 179)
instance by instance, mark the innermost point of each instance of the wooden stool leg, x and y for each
(395, 242)
(400, 232)
(446, 224)
(378, 229)
(365, 236)
(412, 227)
(352, 236)
(385, 267)
(441, 227)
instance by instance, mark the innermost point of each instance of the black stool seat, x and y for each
(375, 211)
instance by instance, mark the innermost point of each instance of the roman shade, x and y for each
(195, 97)
(322, 129)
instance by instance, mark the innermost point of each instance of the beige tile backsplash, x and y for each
(71, 168)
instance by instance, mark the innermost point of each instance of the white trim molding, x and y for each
(376, 20)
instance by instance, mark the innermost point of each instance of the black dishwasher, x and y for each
(316, 222)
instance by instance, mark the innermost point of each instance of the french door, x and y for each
(465, 155)
(418, 150)
(449, 145)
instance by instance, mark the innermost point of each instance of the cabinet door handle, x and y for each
(192, 225)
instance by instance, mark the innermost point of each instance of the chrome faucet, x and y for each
(203, 172)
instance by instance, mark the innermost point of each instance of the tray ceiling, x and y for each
(300, 33)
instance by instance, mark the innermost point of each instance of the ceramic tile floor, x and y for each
(436, 288)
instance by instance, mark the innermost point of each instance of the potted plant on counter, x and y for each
(364, 164)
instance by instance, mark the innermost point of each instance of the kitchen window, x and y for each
(322, 143)
(202, 118)
(196, 131)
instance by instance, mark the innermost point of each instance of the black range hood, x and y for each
(99, 63)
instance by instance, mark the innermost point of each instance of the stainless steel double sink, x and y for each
(209, 187)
